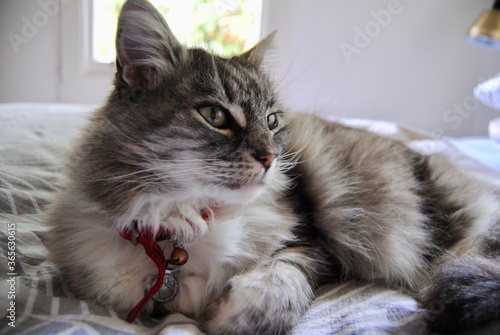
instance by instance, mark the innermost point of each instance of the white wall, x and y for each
(28, 69)
(45, 60)
(416, 68)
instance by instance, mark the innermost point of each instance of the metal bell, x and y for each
(168, 290)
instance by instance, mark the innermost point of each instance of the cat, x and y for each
(260, 207)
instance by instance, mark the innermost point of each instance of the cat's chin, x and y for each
(238, 195)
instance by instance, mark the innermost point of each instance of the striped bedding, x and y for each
(33, 299)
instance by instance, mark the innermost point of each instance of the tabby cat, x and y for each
(193, 154)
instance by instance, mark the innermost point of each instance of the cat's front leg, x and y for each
(269, 299)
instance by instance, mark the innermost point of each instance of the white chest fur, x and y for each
(232, 238)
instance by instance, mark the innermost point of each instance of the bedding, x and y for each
(33, 299)
(488, 92)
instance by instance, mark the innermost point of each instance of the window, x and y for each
(225, 27)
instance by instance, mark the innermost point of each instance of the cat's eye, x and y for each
(215, 116)
(272, 121)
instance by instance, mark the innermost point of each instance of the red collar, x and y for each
(149, 241)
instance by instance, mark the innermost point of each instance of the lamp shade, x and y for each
(486, 30)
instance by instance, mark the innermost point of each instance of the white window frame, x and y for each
(91, 65)
(81, 81)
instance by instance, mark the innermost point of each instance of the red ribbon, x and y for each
(148, 240)
(154, 251)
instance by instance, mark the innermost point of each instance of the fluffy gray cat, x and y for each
(193, 155)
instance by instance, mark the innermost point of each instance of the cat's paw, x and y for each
(267, 301)
(186, 224)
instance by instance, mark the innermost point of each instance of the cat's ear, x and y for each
(146, 48)
(255, 56)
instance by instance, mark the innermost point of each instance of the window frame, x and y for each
(80, 81)
(91, 65)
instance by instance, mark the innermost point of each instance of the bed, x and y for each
(33, 141)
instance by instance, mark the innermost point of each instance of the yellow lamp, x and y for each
(486, 30)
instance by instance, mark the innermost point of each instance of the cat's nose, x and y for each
(266, 160)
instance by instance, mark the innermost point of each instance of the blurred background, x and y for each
(396, 60)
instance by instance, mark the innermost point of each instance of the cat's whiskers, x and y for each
(153, 172)
(293, 153)
(145, 181)
(294, 58)
(161, 175)
(126, 175)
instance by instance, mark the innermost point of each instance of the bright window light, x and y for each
(225, 27)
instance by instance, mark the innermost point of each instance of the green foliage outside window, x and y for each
(225, 27)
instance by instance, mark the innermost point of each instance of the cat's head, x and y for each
(186, 120)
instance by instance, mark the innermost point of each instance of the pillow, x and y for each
(488, 92)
